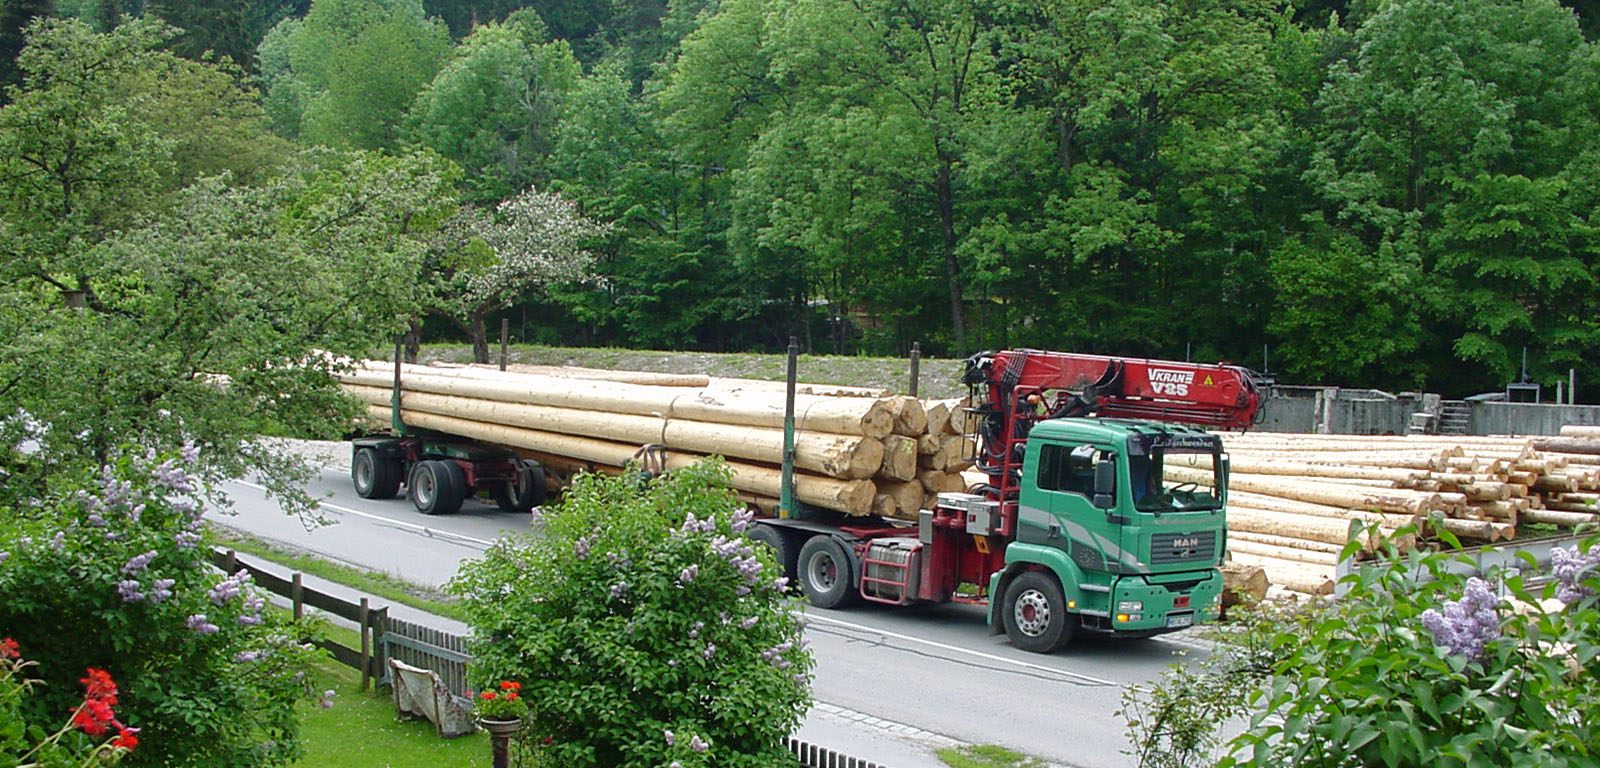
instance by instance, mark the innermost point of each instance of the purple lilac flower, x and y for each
(249, 620)
(198, 623)
(161, 590)
(58, 542)
(581, 548)
(168, 474)
(95, 520)
(749, 622)
(1466, 626)
(697, 745)
(694, 631)
(741, 590)
(741, 520)
(186, 539)
(711, 650)
(129, 591)
(618, 590)
(326, 702)
(691, 524)
(245, 657)
(4, 556)
(1570, 568)
(672, 740)
(138, 562)
(687, 574)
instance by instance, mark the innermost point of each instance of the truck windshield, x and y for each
(1154, 491)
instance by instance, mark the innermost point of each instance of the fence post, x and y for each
(380, 646)
(366, 641)
(916, 363)
(230, 562)
(297, 596)
(505, 338)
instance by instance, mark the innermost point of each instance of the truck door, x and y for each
(1066, 480)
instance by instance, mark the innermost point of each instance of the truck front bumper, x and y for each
(1157, 603)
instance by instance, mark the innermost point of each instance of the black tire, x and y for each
(826, 576)
(783, 549)
(523, 493)
(436, 487)
(1035, 613)
(374, 477)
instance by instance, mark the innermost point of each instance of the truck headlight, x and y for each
(1130, 606)
(1125, 618)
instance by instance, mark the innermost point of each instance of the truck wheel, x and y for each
(1035, 613)
(374, 477)
(524, 492)
(435, 487)
(825, 573)
(782, 547)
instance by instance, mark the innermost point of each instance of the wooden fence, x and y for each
(383, 638)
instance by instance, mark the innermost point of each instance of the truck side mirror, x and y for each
(1105, 484)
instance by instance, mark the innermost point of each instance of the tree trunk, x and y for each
(480, 339)
(412, 340)
(945, 193)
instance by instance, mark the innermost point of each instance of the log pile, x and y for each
(1294, 498)
(856, 451)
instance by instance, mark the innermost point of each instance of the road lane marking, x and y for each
(958, 649)
(432, 533)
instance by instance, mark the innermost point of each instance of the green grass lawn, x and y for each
(361, 730)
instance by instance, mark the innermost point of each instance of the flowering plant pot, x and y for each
(504, 708)
(501, 729)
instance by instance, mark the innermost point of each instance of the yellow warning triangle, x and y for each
(1208, 381)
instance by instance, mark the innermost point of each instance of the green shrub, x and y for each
(645, 628)
(1415, 665)
(112, 574)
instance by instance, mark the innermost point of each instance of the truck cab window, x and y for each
(1069, 469)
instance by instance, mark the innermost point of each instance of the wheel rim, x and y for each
(364, 472)
(823, 572)
(1032, 613)
(425, 488)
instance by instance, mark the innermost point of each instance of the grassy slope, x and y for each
(361, 731)
(938, 377)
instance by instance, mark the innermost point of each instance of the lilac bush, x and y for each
(108, 572)
(1468, 625)
(646, 630)
(1570, 569)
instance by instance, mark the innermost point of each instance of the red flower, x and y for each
(487, 695)
(99, 696)
(510, 686)
(9, 649)
(126, 738)
(86, 721)
(99, 685)
(512, 696)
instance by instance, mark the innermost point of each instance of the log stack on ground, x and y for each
(856, 451)
(1294, 499)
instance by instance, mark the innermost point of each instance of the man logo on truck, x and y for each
(1165, 381)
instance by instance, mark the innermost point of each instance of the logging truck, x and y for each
(1076, 528)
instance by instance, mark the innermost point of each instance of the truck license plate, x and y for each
(1183, 620)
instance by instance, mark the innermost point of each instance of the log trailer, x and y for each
(441, 471)
(1075, 528)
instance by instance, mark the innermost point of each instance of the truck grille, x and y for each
(1168, 548)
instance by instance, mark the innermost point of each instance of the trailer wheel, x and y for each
(825, 573)
(374, 477)
(436, 487)
(1035, 613)
(782, 547)
(522, 493)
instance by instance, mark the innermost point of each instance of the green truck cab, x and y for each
(1103, 541)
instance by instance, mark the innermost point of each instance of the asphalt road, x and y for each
(934, 668)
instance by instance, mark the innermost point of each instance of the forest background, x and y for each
(1388, 193)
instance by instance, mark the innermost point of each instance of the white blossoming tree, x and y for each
(484, 259)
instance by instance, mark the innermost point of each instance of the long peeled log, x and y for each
(842, 456)
(1298, 576)
(1354, 497)
(868, 417)
(853, 497)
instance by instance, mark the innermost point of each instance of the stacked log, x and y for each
(856, 452)
(1295, 499)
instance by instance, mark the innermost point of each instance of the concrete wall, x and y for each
(1336, 410)
(1496, 418)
